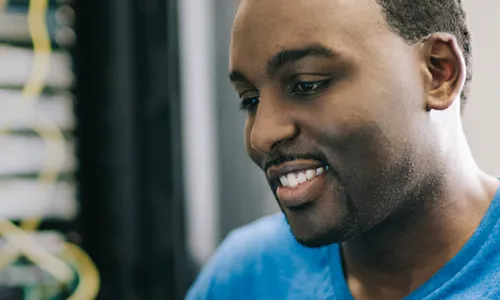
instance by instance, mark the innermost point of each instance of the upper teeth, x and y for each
(294, 179)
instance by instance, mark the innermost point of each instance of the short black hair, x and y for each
(414, 20)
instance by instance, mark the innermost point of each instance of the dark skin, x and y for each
(342, 89)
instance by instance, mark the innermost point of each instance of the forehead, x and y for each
(264, 27)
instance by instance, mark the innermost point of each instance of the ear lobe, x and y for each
(446, 70)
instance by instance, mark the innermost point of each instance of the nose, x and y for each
(272, 124)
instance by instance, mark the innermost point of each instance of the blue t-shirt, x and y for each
(263, 261)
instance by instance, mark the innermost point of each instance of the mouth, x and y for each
(298, 182)
(291, 176)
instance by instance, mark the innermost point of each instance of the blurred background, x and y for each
(122, 164)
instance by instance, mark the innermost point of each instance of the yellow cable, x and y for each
(54, 161)
(22, 242)
(18, 241)
(42, 50)
(88, 288)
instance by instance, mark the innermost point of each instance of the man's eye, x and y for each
(307, 86)
(249, 104)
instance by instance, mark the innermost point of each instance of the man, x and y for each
(354, 115)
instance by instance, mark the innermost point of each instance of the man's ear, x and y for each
(445, 70)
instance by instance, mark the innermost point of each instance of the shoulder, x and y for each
(250, 243)
(243, 254)
(265, 234)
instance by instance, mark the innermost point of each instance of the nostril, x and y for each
(270, 127)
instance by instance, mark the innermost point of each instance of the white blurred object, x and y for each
(199, 126)
(57, 108)
(17, 64)
(482, 110)
(27, 154)
(14, 25)
(51, 241)
(21, 199)
(19, 274)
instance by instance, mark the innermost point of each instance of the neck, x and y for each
(394, 259)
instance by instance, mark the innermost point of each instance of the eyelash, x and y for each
(250, 104)
(299, 87)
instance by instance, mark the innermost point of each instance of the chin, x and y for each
(321, 240)
(317, 235)
(327, 220)
(316, 242)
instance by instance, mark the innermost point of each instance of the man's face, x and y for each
(335, 113)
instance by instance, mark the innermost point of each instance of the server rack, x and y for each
(38, 188)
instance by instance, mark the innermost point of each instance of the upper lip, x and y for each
(275, 172)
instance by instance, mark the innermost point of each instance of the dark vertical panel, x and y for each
(108, 139)
(185, 268)
(159, 139)
(131, 173)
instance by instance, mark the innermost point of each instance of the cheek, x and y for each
(351, 132)
(369, 102)
(367, 155)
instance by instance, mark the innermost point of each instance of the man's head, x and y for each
(339, 95)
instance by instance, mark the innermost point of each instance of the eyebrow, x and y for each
(286, 57)
(237, 76)
(289, 56)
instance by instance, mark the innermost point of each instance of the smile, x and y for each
(298, 182)
(294, 179)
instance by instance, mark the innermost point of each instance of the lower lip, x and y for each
(305, 193)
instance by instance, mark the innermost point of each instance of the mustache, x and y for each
(277, 157)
